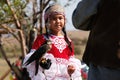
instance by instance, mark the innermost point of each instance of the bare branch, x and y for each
(46, 3)
(9, 30)
(14, 15)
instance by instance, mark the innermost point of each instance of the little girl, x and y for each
(64, 66)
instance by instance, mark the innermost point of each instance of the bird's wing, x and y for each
(37, 54)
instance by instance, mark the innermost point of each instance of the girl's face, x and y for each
(57, 22)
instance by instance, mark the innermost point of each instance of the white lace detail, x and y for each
(61, 61)
(59, 43)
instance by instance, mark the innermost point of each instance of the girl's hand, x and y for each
(70, 69)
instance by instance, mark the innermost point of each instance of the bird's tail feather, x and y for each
(36, 66)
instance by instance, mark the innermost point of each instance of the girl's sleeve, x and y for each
(31, 68)
(77, 64)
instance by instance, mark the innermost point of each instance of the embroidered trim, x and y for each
(59, 43)
(61, 61)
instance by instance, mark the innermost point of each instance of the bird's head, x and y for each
(49, 44)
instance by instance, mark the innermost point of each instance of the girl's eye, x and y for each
(60, 18)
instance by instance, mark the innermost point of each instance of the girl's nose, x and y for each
(57, 20)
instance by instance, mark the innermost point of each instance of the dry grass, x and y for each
(78, 34)
(76, 37)
(4, 67)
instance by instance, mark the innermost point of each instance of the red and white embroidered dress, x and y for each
(61, 57)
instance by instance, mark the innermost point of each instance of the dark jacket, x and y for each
(104, 39)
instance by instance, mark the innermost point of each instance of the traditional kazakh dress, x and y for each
(60, 56)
